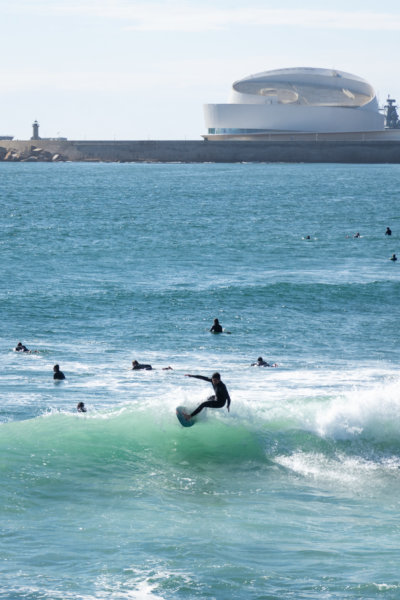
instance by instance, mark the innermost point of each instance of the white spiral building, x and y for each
(298, 100)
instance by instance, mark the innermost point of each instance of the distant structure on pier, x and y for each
(35, 135)
(295, 101)
(392, 120)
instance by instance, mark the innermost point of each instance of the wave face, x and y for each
(294, 492)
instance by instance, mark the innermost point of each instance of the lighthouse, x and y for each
(35, 127)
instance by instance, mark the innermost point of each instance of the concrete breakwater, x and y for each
(273, 150)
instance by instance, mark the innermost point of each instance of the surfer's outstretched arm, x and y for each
(199, 377)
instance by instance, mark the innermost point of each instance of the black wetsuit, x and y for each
(218, 401)
(58, 375)
(140, 367)
(216, 328)
(21, 348)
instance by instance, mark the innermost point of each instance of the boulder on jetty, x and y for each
(33, 154)
(12, 156)
(41, 154)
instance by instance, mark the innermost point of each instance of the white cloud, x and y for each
(151, 18)
(82, 81)
(183, 16)
(159, 80)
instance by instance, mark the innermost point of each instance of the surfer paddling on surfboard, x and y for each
(263, 363)
(220, 398)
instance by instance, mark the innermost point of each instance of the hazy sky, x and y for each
(142, 69)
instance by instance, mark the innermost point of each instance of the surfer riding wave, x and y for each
(220, 398)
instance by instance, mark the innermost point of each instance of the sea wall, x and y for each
(317, 150)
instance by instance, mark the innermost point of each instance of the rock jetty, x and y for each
(377, 147)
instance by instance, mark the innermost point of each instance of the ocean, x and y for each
(294, 493)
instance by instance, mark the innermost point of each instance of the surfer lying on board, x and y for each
(136, 366)
(218, 400)
(21, 348)
(262, 363)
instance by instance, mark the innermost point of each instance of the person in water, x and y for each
(217, 327)
(357, 235)
(57, 373)
(136, 366)
(393, 257)
(220, 398)
(81, 407)
(388, 231)
(21, 348)
(262, 363)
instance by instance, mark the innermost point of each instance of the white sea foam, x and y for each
(373, 412)
(350, 472)
(338, 404)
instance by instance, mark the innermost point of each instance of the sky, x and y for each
(142, 69)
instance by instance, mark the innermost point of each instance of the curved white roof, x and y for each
(303, 86)
(296, 100)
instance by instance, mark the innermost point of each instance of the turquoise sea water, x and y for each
(293, 494)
